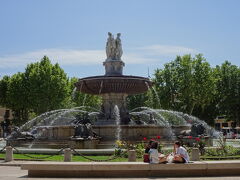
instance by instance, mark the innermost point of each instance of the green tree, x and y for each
(135, 101)
(185, 83)
(166, 84)
(48, 86)
(18, 98)
(4, 83)
(228, 90)
(203, 82)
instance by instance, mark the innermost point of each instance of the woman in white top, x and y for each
(153, 153)
(180, 154)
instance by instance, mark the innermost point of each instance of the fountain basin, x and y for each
(56, 137)
(136, 132)
(108, 132)
(97, 85)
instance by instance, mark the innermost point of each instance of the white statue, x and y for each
(119, 50)
(110, 46)
(114, 47)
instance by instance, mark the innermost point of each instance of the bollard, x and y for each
(131, 156)
(195, 154)
(9, 154)
(67, 155)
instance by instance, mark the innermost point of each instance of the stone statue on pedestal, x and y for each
(119, 50)
(114, 47)
(110, 46)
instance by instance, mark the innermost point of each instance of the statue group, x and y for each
(114, 47)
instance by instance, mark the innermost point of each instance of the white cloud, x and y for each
(62, 56)
(166, 50)
(139, 55)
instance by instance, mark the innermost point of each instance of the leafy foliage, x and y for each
(190, 85)
(222, 150)
(42, 87)
(228, 90)
(47, 86)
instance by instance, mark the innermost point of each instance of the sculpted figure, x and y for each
(18, 134)
(110, 46)
(119, 50)
(83, 127)
(114, 47)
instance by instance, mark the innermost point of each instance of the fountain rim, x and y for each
(113, 125)
(115, 77)
(123, 79)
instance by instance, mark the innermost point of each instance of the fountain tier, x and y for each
(114, 90)
(99, 85)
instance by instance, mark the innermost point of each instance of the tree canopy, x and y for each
(42, 87)
(190, 85)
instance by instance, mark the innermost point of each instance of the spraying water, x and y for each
(60, 117)
(118, 122)
(153, 91)
(156, 96)
(145, 115)
(74, 93)
(84, 99)
(168, 119)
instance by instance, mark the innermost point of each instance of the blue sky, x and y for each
(74, 32)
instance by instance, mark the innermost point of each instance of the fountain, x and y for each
(85, 127)
(113, 87)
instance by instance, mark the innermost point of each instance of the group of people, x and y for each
(179, 154)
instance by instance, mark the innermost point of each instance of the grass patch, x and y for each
(75, 158)
(220, 157)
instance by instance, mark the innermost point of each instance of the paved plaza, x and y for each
(14, 173)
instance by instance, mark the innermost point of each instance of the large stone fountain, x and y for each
(81, 128)
(113, 87)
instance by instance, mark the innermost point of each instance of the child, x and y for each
(148, 146)
(153, 153)
(146, 155)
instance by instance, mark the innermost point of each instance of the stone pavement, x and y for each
(14, 173)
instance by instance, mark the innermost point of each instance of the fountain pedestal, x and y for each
(113, 67)
(110, 100)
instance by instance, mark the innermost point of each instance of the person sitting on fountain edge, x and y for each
(153, 153)
(146, 154)
(180, 153)
(148, 147)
